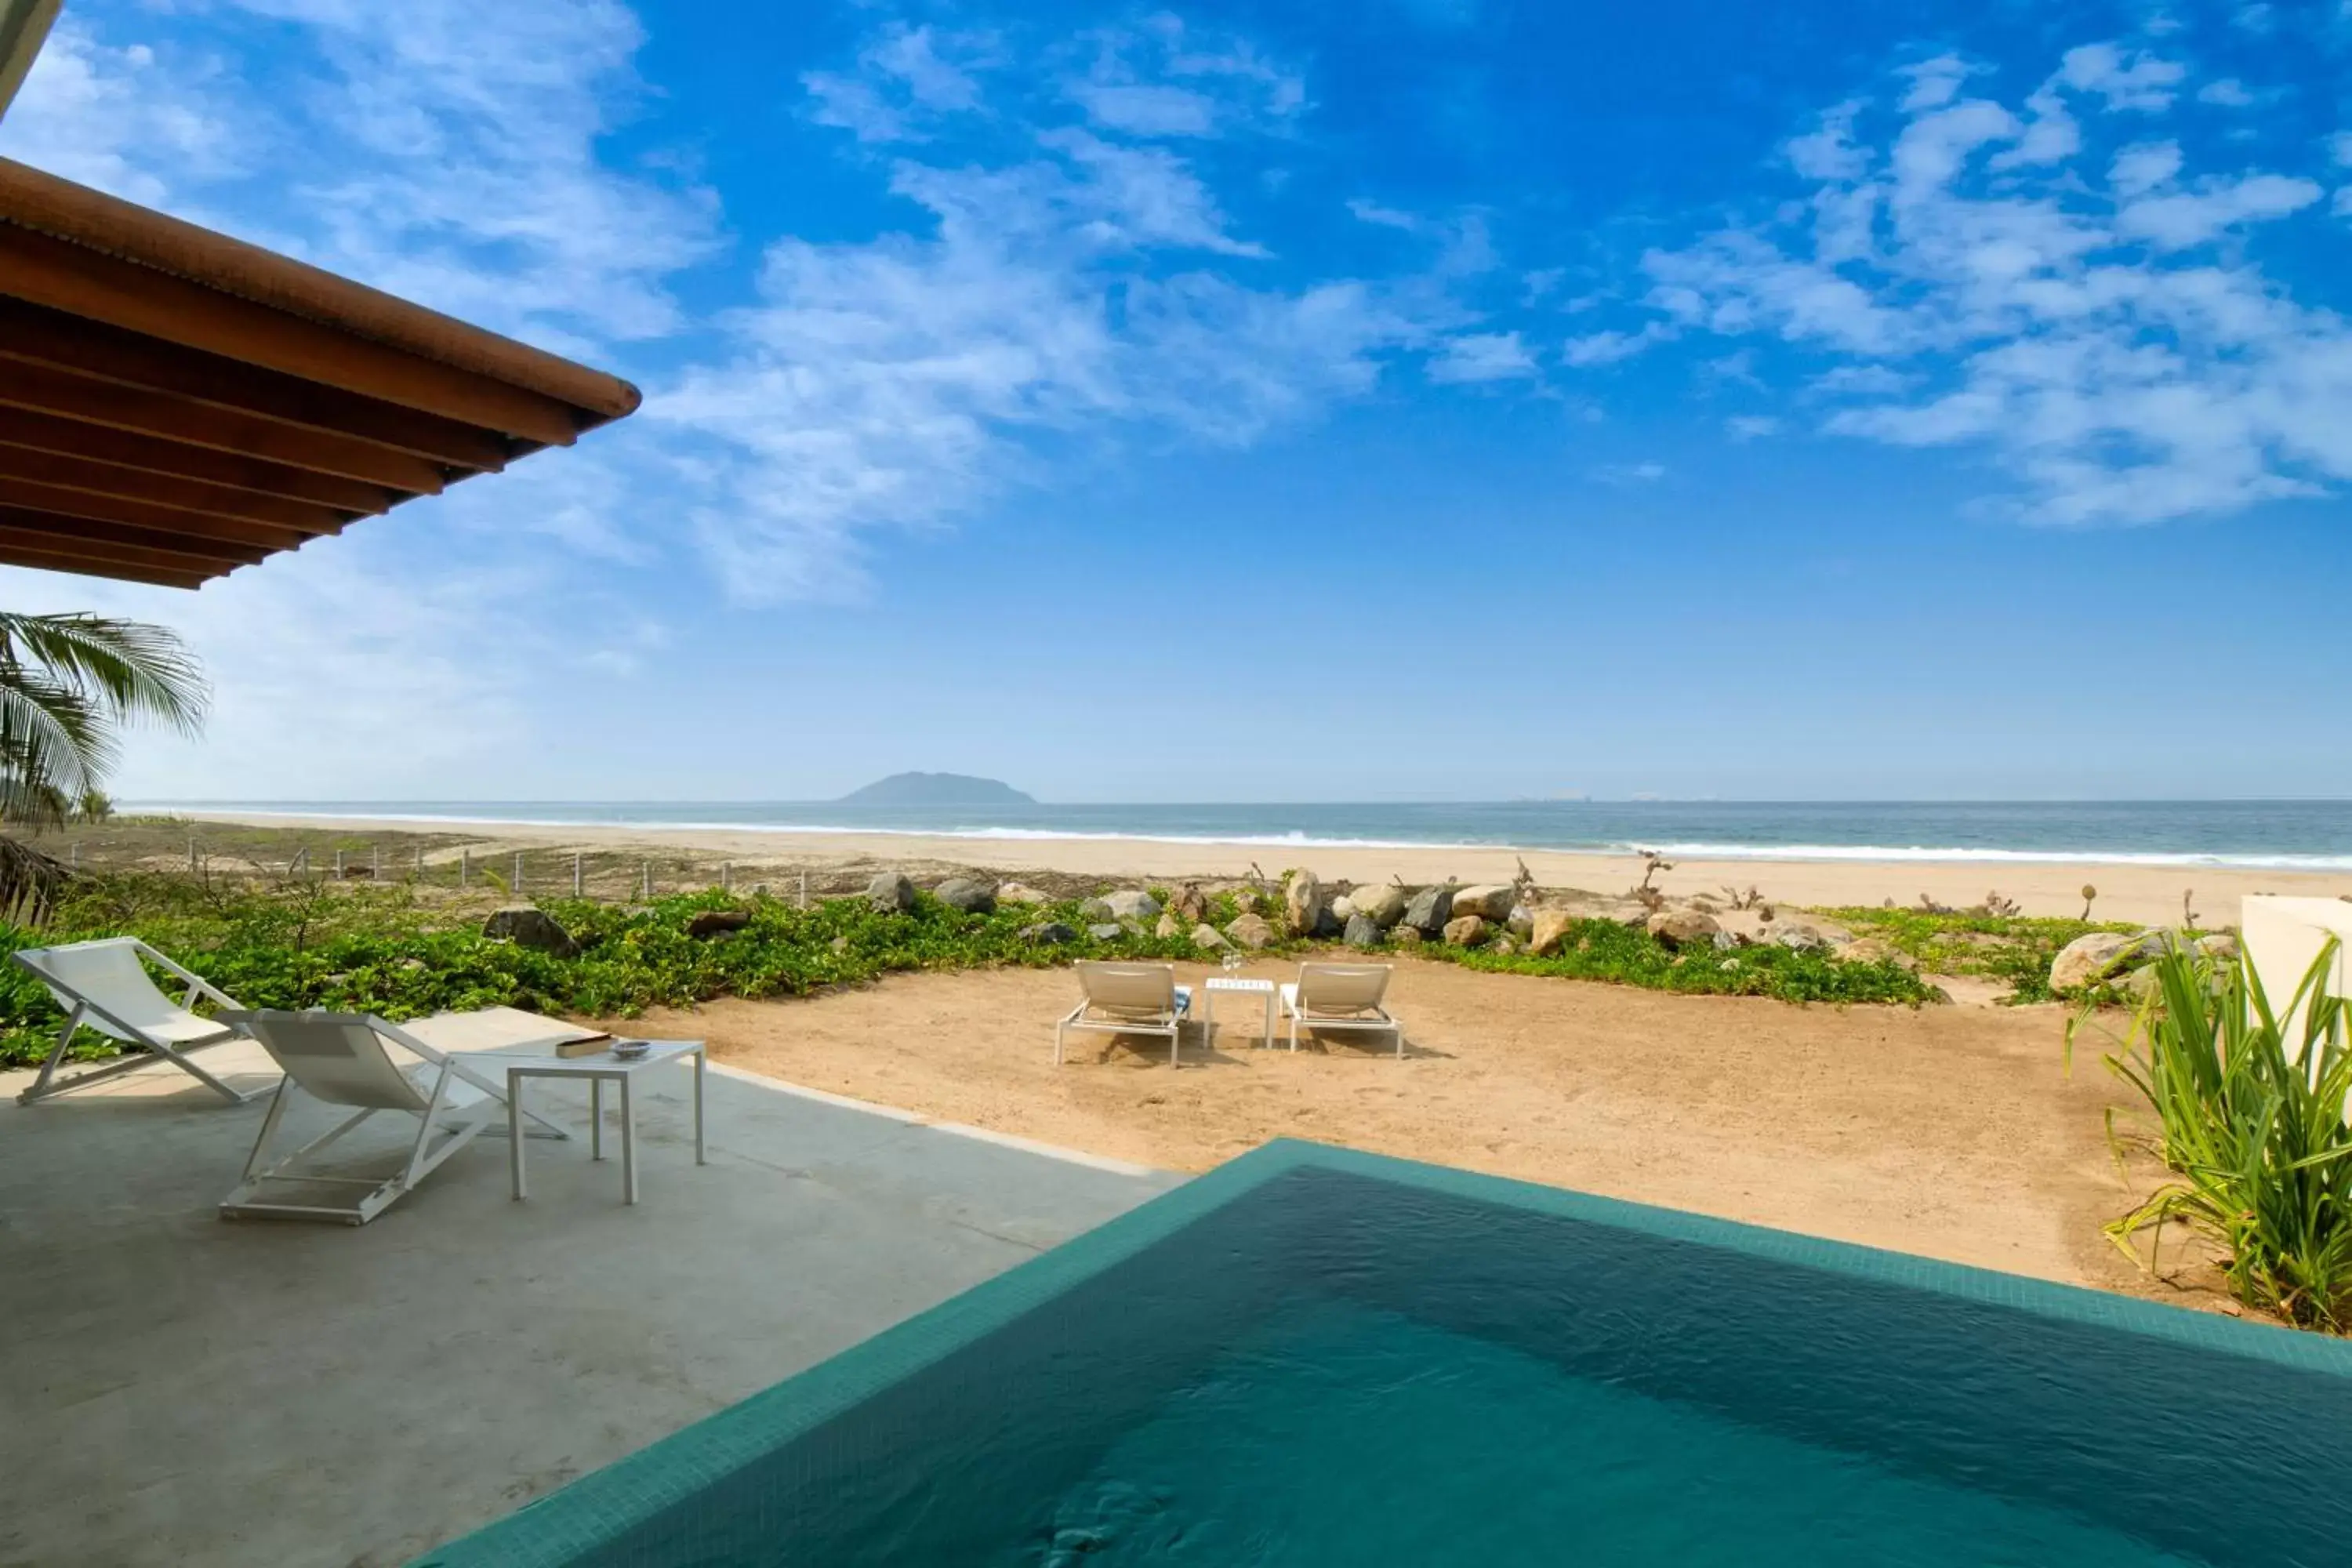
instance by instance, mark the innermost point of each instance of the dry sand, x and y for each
(2144, 893)
(1949, 1131)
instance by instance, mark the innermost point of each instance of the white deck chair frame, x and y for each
(1127, 999)
(363, 1076)
(1340, 996)
(110, 1015)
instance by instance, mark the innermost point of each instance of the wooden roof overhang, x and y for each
(175, 404)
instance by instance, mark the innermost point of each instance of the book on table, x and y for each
(582, 1043)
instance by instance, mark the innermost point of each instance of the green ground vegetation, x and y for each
(2248, 1114)
(2012, 948)
(402, 953)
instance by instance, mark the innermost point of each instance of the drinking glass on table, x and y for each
(1233, 961)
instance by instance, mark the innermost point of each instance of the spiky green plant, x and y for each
(2250, 1112)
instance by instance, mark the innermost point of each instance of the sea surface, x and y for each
(2302, 835)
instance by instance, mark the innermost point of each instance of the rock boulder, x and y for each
(1048, 932)
(1428, 910)
(1549, 929)
(1107, 930)
(1209, 939)
(709, 924)
(534, 927)
(1302, 903)
(1381, 906)
(1465, 931)
(1361, 932)
(1677, 928)
(1490, 901)
(1097, 912)
(1021, 893)
(890, 893)
(1250, 931)
(2101, 955)
(969, 894)
(1131, 904)
(1191, 904)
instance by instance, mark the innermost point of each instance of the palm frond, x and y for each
(140, 671)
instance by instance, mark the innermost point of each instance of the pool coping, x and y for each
(593, 1510)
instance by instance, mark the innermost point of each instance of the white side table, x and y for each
(1262, 989)
(599, 1069)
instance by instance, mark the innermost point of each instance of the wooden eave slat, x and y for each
(49, 468)
(46, 390)
(129, 449)
(33, 333)
(92, 284)
(49, 530)
(110, 560)
(62, 502)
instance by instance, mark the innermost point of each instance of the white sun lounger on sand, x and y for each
(1127, 999)
(1340, 996)
(341, 1058)
(102, 985)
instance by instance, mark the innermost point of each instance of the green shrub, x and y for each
(2013, 948)
(1611, 951)
(2251, 1124)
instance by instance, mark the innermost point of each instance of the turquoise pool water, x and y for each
(1312, 1356)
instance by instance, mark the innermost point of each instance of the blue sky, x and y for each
(1428, 398)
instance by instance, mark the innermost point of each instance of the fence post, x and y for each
(73, 854)
(575, 874)
(645, 882)
(804, 889)
(518, 881)
(339, 865)
(418, 874)
(375, 862)
(465, 865)
(727, 876)
(191, 854)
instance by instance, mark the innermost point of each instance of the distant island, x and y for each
(937, 789)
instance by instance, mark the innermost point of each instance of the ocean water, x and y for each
(2307, 835)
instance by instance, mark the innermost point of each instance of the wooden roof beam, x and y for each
(29, 332)
(129, 449)
(90, 283)
(48, 468)
(47, 531)
(58, 501)
(22, 548)
(44, 390)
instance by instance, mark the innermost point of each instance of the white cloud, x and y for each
(1383, 217)
(1160, 79)
(1480, 357)
(1611, 347)
(1646, 473)
(2106, 340)
(1751, 427)
(2339, 148)
(2186, 218)
(114, 118)
(2141, 168)
(2226, 93)
(2135, 81)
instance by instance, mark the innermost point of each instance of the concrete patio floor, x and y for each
(181, 1390)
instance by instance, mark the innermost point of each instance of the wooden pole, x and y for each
(646, 883)
(375, 862)
(419, 873)
(804, 889)
(73, 854)
(727, 876)
(575, 874)
(465, 865)
(517, 879)
(339, 865)
(191, 854)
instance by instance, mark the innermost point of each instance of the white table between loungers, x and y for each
(521, 1045)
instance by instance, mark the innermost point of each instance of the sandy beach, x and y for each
(2147, 894)
(1951, 1132)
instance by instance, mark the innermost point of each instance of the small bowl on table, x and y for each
(631, 1050)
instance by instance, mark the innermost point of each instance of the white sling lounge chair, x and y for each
(102, 985)
(1127, 999)
(1340, 996)
(341, 1058)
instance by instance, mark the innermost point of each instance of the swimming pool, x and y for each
(1315, 1356)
